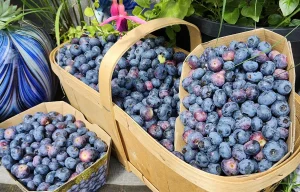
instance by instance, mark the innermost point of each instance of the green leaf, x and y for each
(191, 11)
(170, 33)
(161, 59)
(244, 21)
(249, 10)
(88, 12)
(232, 16)
(178, 9)
(57, 34)
(295, 22)
(288, 6)
(108, 28)
(176, 28)
(143, 3)
(199, 9)
(149, 14)
(274, 19)
(137, 11)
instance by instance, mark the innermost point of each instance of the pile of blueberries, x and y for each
(146, 84)
(93, 183)
(237, 120)
(82, 57)
(48, 149)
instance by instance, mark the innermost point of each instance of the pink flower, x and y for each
(114, 10)
(119, 15)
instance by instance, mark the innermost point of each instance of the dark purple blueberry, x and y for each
(194, 62)
(238, 96)
(228, 56)
(155, 131)
(169, 134)
(280, 61)
(62, 174)
(167, 144)
(193, 139)
(252, 147)
(215, 64)
(31, 186)
(178, 154)
(205, 145)
(230, 167)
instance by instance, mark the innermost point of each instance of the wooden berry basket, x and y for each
(87, 100)
(159, 168)
(64, 108)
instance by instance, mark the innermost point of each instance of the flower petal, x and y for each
(109, 20)
(135, 19)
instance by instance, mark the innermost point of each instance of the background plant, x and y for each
(249, 12)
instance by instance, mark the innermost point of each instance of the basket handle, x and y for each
(112, 57)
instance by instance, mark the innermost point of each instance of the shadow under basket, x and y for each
(85, 179)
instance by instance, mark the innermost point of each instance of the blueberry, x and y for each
(246, 167)
(256, 124)
(264, 47)
(214, 168)
(228, 65)
(253, 41)
(267, 98)
(224, 129)
(254, 77)
(284, 87)
(190, 155)
(240, 55)
(242, 136)
(264, 165)
(202, 159)
(198, 74)
(250, 66)
(229, 108)
(62, 174)
(249, 108)
(42, 169)
(264, 113)
(219, 98)
(267, 68)
(230, 167)
(284, 121)
(215, 64)
(280, 61)
(238, 96)
(208, 105)
(225, 150)
(280, 108)
(273, 151)
(252, 92)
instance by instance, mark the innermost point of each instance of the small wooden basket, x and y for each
(99, 167)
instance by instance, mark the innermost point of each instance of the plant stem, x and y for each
(80, 13)
(289, 17)
(221, 23)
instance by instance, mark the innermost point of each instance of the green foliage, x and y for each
(165, 8)
(249, 12)
(290, 182)
(11, 13)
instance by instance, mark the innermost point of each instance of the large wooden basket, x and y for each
(87, 100)
(160, 169)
